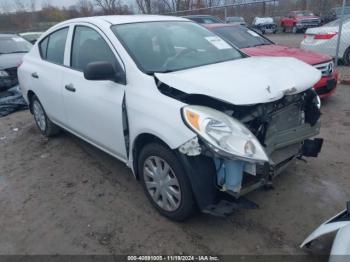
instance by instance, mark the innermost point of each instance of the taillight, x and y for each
(325, 36)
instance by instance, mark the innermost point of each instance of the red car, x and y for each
(254, 44)
(300, 21)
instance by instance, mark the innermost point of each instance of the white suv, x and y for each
(187, 112)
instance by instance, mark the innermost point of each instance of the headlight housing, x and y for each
(3, 73)
(224, 134)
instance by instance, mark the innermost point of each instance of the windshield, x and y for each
(241, 37)
(172, 46)
(14, 44)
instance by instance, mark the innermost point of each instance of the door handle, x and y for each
(35, 75)
(70, 88)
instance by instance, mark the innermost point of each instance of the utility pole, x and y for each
(339, 32)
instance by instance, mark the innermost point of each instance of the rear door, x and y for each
(46, 73)
(94, 108)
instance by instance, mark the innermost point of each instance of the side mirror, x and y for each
(103, 70)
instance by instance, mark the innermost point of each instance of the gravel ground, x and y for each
(62, 196)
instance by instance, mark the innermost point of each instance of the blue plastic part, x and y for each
(229, 174)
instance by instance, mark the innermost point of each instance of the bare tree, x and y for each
(144, 6)
(20, 5)
(32, 5)
(85, 7)
(5, 6)
(108, 6)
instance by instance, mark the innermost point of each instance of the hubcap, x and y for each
(39, 115)
(161, 183)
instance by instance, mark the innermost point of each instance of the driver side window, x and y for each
(89, 46)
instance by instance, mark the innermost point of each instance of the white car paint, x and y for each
(93, 111)
(98, 128)
(162, 119)
(269, 78)
(329, 46)
(262, 20)
(341, 246)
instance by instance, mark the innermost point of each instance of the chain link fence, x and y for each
(332, 39)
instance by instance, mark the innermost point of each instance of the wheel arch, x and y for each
(138, 143)
(200, 170)
(30, 95)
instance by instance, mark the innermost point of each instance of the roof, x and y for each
(198, 16)
(30, 33)
(125, 19)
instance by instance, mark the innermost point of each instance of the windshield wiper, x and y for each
(16, 52)
(166, 71)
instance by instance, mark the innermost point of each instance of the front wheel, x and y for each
(346, 57)
(165, 182)
(46, 127)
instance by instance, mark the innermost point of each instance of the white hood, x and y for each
(245, 81)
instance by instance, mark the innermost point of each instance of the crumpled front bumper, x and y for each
(327, 85)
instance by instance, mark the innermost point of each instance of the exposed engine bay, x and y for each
(283, 127)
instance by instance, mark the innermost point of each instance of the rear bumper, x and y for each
(327, 85)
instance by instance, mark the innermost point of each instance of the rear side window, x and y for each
(53, 46)
(89, 46)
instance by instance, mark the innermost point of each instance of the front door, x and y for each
(93, 108)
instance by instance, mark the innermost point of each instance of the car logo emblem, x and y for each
(268, 88)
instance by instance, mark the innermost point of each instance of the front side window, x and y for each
(171, 46)
(89, 46)
(241, 37)
(52, 47)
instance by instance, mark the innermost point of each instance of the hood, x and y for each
(245, 81)
(279, 50)
(10, 60)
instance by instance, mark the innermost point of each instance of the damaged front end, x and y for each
(250, 145)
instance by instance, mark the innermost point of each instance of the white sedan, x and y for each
(324, 40)
(192, 117)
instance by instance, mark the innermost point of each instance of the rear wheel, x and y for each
(165, 182)
(346, 57)
(46, 127)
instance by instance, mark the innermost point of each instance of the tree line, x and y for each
(24, 15)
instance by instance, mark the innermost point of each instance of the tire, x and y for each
(46, 127)
(346, 57)
(179, 203)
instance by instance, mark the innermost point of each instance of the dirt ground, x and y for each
(62, 196)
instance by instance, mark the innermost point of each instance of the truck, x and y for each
(297, 21)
